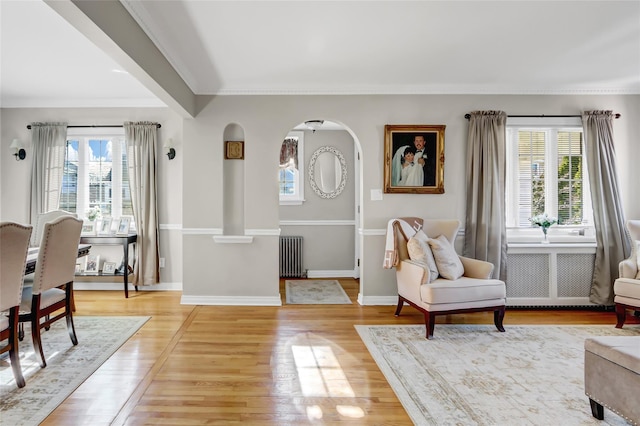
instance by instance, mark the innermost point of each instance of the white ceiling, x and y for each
(331, 47)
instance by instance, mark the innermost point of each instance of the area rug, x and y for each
(315, 292)
(474, 375)
(67, 365)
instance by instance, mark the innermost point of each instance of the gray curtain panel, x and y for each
(141, 140)
(48, 142)
(485, 234)
(612, 246)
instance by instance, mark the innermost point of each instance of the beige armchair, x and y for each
(473, 292)
(627, 287)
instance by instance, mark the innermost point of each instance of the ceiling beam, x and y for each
(112, 29)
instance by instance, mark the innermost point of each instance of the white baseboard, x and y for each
(377, 300)
(78, 285)
(231, 301)
(348, 273)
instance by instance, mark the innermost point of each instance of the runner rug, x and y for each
(315, 292)
(474, 375)
(67, 365)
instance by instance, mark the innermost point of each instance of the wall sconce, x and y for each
(168, 146)
(20, 153)
(314, 124)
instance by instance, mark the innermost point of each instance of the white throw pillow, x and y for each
(419, 251)
(447, 260)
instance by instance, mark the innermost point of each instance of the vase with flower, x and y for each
(544, 221)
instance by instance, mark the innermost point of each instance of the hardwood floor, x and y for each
(192, 365)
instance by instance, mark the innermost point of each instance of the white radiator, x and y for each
(291, 257)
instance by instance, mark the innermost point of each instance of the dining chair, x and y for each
(55, 268)
(14, 244)
(43, 218)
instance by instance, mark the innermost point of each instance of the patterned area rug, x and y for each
(474, 375)
(67, 365)
(315, 292)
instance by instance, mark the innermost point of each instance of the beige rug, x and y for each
(315, 292)
(67, 365)
(474, 375)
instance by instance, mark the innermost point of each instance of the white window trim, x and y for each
(297, 198)
(82, 134)
(584, 233)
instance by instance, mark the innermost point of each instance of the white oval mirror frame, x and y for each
(327, 172)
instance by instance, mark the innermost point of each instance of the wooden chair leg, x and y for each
(498, 316)
(14, 355)
(37, 341)
(621, 314)
(400, 305)
(429, 322)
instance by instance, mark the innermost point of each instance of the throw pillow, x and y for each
(419, 251)
(447, 260)
(638, 258)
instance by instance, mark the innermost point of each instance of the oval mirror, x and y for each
(327, 172)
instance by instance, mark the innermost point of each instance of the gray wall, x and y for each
(192, 185)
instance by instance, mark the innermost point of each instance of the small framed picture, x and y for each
(123, 226)
(109, 268)
(234, 150)
(78, 268)
(89, 228)
(105, 226)
(93, 264)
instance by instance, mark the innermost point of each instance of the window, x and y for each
(95, 174)
(546, 172)
(291, 172)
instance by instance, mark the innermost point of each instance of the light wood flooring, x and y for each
(191, 365)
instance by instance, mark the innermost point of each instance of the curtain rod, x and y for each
(95, 125)
(468, 116)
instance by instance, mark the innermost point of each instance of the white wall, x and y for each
(191, 186)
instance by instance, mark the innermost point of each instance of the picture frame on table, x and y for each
(124, 225)
(92, 266)
(105, 226)
(109, 268)
(88, 228)
(414, 159)
(78, 268)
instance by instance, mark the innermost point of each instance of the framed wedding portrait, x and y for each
(414, 159)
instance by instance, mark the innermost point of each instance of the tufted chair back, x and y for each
(14, 243)
(58, 253)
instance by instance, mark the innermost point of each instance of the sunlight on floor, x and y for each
(320, 375)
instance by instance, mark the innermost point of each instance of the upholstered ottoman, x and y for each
(612, 375)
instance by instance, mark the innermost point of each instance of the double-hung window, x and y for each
(547, 173)
(95, 173)
(291, 171)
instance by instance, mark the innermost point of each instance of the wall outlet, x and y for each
(162, 262)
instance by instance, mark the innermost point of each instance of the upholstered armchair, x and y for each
(423, 284)
(627, 287)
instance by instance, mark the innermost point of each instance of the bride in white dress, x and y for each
(412, 173)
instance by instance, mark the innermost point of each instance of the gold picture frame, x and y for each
(234, 150)
(422, 173)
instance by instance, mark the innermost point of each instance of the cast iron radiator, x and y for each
(291, 257)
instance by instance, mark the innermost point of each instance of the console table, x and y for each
(124, 241)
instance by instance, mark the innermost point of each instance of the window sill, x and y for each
(291, 202)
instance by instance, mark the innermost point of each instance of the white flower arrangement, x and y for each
(544, 221)
(94, 213)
